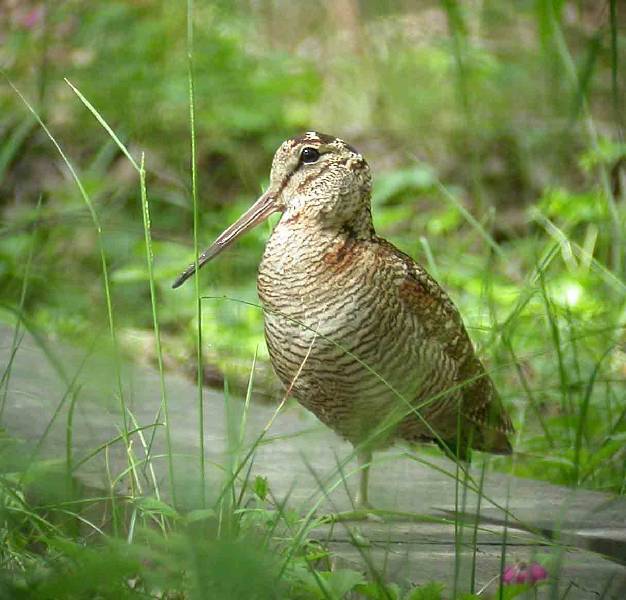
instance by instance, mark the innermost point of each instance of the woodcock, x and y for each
(357, 331)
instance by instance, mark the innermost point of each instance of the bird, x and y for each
(357, 331)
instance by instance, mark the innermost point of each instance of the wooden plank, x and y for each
(303, 458)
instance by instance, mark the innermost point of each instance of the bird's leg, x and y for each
(363, 510)
(364, 458)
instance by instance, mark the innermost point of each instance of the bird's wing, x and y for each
(442, 325)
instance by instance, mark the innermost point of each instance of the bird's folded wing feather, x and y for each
(443, 326)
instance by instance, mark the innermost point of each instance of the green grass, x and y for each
(497, 147)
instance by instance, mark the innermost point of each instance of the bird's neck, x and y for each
(303, 225)
(361, 226)
(302, 245)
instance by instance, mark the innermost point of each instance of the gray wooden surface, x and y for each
(585, 531)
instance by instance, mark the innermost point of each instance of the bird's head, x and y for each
(320, 178)
(317, 180)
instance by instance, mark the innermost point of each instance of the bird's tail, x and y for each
(478, 438)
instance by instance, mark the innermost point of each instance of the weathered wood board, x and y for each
(585, 530)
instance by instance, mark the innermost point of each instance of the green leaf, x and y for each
(261, 487)
(573, 207)
(607, 152)
(341, 581)
(429, 591)
(377, 591)
(200, 514)
(149, 504)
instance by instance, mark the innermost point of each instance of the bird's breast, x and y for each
(332, 317)
(310, 281)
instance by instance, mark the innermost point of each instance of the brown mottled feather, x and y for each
(480, 402)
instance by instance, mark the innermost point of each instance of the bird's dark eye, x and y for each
(309, 155)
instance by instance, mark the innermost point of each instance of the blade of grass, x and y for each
(103, 259)
(532, 402)
(196, 248)
(6, 376)
(613, 280)
(157, 331)
(432, 265)
(104, 124)
(459, 38)
(12, 145)
(583, 412)
(118, 438)
(615, 89)
(555, 336)
(150, 464)
(466, 215)
(553, 25)
(242, 428)
(145, 211)
(481, 483)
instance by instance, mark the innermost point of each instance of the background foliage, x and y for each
(495, 131)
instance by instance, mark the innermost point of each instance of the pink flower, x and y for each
(524, 573)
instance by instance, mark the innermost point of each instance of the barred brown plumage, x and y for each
(379, 349)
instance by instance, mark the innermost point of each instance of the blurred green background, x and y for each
(494, 130)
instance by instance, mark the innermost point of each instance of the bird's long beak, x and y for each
(257, 213)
